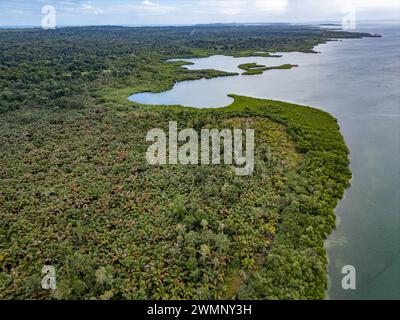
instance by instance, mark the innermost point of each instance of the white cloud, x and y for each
(88, 7)
(242, 7)
(145, 7)
(231, 7)
(338, 6)
(271, 5)
(371, 4)
(16, 11)
(148, 3)
(197, 11)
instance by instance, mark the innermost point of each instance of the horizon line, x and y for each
(196, 24)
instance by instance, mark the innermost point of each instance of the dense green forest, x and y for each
(76, 191)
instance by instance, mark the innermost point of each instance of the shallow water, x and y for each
(357, 81)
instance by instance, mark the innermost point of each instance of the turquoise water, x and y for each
(357, 81)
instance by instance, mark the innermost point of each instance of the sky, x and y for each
(177, 12)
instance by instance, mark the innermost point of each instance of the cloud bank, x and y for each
(131, 12)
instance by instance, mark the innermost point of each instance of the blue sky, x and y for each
(155, 12)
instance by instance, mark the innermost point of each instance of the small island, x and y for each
(254, 68)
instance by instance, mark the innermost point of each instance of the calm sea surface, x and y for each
(357, 81)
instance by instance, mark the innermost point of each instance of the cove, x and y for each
(358, 82)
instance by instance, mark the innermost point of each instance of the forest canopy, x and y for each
(77, 193)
